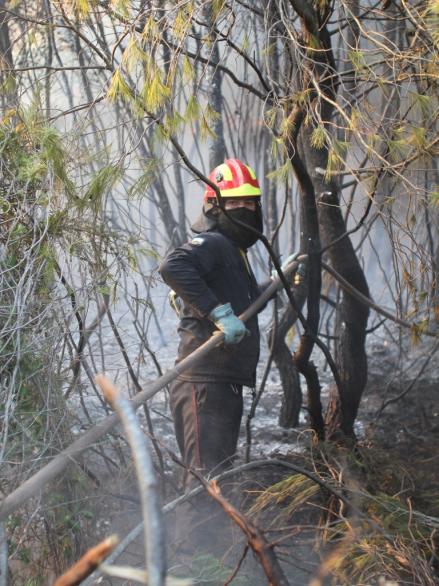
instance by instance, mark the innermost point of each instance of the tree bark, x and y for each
(311, 235)
(289, 376)
(350, 356)
(217, 146)
(6, 58)
(352, 315)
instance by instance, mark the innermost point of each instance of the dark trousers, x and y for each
(207, 418)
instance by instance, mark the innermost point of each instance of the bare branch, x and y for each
(369, 303)
(260, 546)
(148, 486)
(88, 563)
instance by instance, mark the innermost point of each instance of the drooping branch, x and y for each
(367, 302)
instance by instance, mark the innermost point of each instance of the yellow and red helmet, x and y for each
(234, 179)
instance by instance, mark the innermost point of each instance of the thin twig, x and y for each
(409, 387)
(254, 404)
(238, 566)
(138, 387)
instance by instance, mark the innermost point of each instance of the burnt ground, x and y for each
(397, 455)
(402, 442)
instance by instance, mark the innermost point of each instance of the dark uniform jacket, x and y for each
(211, 270)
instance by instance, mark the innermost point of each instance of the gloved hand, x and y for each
(289, 259)
(226, 321)
(285, 263)
(300, 272)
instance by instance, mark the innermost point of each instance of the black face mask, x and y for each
(243, 238)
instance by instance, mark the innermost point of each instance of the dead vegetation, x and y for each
(355, 515)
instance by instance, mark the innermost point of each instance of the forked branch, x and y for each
(256, 540)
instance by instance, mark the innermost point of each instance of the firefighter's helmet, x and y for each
(234, 179)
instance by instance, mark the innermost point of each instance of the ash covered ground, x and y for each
(393, 368)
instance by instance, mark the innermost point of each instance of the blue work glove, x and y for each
(226, 321)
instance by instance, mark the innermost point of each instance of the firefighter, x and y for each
(213, 280)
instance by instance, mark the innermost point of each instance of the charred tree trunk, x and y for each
(314, 281)
(279, 328)
(311, 234)
(217, 147)
(301, 80)
(282, 357)
(329, 225)
(289, 376)
(352, 316)
(288, 373)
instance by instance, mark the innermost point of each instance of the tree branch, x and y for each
(88, 563)
(154, 541)
(260, 546)
(367, 301)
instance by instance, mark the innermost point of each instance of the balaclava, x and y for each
(242, 237)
